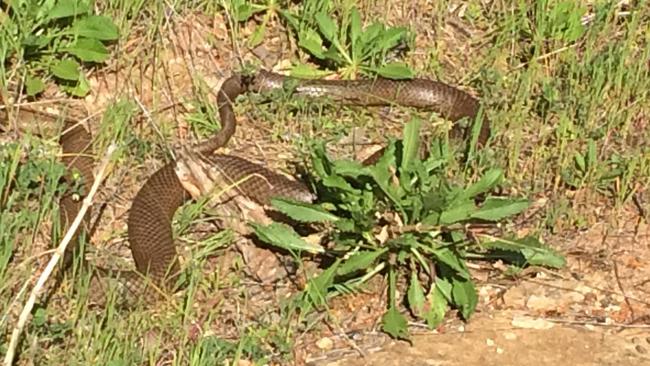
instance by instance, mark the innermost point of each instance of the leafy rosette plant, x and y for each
(403, 216)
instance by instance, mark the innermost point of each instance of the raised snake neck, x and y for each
(152, 210)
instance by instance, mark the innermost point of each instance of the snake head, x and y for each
(194, 173)
(236, 184)
(202, 178)
(201, 175)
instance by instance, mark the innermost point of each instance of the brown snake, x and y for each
(152, 210)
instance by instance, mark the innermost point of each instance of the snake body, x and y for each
(152, 210)
(450, 102)
(77, 157)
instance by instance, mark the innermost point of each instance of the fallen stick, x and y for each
(38, 287)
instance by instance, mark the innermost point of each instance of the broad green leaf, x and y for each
(534, 252)
(432, 219)
(335, 181)
(465, 297)
(349, 168)
(459, 212)
(538, 254)
(370, 34)
(311, 42)
(395, 324)
(333, 54)
(327, 27)
(402, 255)
(283, 236)
(444, 286)
(457, 236)
(34, 85)
(303, 212)
(411, 143)
(405, 241)
(617, 173)
(396, 70)
(66, 69)
(434, 203)
(415, 296)
(430, 174)
(368, 204)
(387, 158)
(495, 209)
(326, 278)
(320, 161)
(360, 261)
(81, 89)
(413, 205)
(317, 286)
(489, 180)
(392, 191)
(383, 173)
(346, 225)
(451, 259)
(391, 37)
(68, 8)
(244, 11)
(36, 41)
(355, 25)
(97, 26)
(435, 308)
(89, 50)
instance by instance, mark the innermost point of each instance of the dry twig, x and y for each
(36, 291)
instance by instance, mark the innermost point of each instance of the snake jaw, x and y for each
(201, 178)
(193, 173)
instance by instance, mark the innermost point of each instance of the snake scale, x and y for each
(149, 222)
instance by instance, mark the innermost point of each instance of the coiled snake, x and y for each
(149, 221)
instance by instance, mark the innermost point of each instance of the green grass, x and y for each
(569, 105)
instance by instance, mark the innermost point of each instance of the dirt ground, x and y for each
(493, 340)
(549, 318)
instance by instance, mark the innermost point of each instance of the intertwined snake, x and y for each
(152, 210)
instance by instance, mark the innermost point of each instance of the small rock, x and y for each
(526, 322)
(325, 344)
(540, 303)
